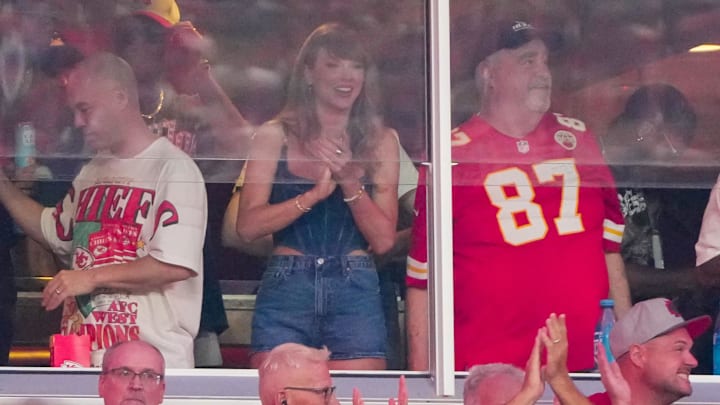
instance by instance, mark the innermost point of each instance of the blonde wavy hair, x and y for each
(299, 116)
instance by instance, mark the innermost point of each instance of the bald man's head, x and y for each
(107, 68)
(132, 373)
(102, 93)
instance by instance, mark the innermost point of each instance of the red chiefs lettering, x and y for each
(107, 335)
(114, 202)
(62, 233)
(167, 211)
(115, 324)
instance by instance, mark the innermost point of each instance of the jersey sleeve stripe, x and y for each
(416, 269)
(613, 231)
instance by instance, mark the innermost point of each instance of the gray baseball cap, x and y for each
(649, 319)
(512, 34)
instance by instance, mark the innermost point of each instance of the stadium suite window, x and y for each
(254, 50)
(249, 52)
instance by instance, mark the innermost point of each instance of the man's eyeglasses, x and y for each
(326, 392)
(126, 375)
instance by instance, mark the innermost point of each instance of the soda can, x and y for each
(24, 145)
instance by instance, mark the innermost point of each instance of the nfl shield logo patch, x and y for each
(523, 146)
(566, 139)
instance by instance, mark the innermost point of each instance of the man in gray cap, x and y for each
(652, 345)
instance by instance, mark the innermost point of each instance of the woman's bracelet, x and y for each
(356, 197)
(299, 205)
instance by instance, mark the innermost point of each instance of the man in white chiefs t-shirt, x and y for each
(133, 223)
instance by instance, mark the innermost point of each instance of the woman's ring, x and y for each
(556, 341)
(338, 151)
(58, 291)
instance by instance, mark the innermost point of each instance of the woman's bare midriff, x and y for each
(288, 251)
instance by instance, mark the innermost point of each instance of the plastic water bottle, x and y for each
(604, 326)
(24, 145)
(716, 347)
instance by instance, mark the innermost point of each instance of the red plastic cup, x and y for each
(70, 351)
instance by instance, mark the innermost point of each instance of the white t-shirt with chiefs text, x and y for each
(119, 210)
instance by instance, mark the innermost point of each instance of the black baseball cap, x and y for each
(512, 34)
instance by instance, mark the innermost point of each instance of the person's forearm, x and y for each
(523, 398)
(211, 94)
(619, 289)
(262, 246)
(399, 250)
(257, 222)
(231, 141)
(230, 238)
(139, 276)
(417, 329)
(567, 393)
(376, 226)
(230, 129)
(144, 274)
(25, 211)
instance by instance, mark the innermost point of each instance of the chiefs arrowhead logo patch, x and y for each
(566, 139)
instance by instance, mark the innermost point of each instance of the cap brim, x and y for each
(695, 326)
(156, 17)
(551, 39)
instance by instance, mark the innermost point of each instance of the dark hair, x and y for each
(299, 116)
(127, 28)
(55, 60)
(650, 100)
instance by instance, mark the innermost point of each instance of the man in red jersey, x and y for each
(536, 219)
(652, 345)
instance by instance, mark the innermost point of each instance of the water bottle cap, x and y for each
(607, 303)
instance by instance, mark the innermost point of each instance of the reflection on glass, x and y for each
(626, 75)
(207, 73)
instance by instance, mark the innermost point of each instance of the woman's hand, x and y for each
(338, 157)
(323, 188)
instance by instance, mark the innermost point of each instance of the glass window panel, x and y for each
(630, 86)
(207, 87)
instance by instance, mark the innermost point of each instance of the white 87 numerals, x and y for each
(522, 202)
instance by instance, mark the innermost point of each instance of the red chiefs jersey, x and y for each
(532, 220)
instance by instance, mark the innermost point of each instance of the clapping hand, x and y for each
(617, 387)
(338, 157)
(533, 384)
(554, 338)
(402, 398)
(323, 187)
